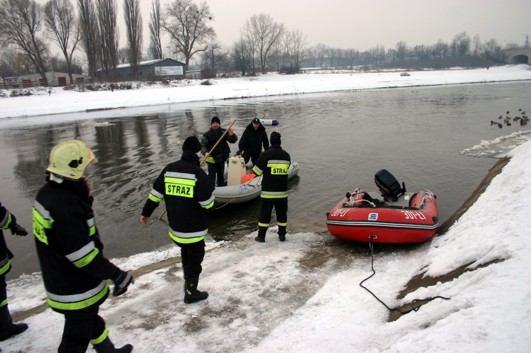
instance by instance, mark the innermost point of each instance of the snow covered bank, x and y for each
(61, 102)
(303, 295)
(253, 288)
(489, 309)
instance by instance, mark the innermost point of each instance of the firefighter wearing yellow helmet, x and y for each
(70, 251)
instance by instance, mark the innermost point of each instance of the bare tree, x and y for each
(61, 22)
(251, 49)
(294, 44)
(90, 35)
(123, 56)
(240, 57)
(440, 49)
(186, 23)
(265, 32)
(460, 45)
(401, 51)
(133, 24)
(215, 61)
(16, 62)
(155, 25)
(106, 10)
(20, 22)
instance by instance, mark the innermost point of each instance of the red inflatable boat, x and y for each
(395, 216)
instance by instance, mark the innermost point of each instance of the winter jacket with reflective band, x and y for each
(187, 193)
(74, 270)
(6, 220)
(252, 140)
(222, 151)
(273, 164)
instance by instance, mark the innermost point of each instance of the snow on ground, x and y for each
(303, 295)
(489, 309)
(31, 289)
(61, 102)
(253, 288)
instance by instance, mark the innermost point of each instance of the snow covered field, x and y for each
(303, 295)
(62, 102)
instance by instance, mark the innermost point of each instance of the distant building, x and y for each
(151, 70)
(55, 79)
(518, 55)
(193, 74)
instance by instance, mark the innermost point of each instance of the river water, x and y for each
(339, 139)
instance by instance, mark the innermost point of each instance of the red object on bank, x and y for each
(395, 216)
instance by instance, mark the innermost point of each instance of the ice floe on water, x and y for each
(498, 147)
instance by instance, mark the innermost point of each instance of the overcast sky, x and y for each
(365, 23)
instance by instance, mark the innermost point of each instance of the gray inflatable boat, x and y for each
(238, 193)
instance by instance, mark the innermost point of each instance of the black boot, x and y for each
(191, 294)
(281, 233)
(261, 234)
(7, 328)
(108, 347)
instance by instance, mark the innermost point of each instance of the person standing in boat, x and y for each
(273, 164)
(187, 193)
(252, 140)
(7, 327)
(217, 157)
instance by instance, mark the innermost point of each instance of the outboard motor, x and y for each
(388, 185)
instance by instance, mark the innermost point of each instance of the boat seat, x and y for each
(401, 202)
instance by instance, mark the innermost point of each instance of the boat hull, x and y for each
(235, 194)
(394, 225)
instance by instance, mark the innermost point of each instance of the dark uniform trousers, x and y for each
(281, 208)
(3, 300)
(3, 292)
(82, 327)
(216, 171)
(253, 157)
(192, 256)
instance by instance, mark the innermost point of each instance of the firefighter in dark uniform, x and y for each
(70, 251)
(187, 193)
(217, 158)
(273, 164)
(7, 327)
(252, 140)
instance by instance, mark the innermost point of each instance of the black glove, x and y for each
(17, 229)
(121, 281)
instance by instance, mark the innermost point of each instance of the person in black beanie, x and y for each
(187, 193)
(252, 140)
(217, 158)
(274, 165)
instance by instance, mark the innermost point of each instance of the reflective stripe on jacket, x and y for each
(187, 193)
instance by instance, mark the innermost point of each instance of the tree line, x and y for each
(90, 27)
(462, 50)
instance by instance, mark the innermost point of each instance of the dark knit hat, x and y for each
(191, 144)
(275, 139)
(215, 119)
(256, 121)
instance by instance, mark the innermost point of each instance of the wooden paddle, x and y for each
(203, 160)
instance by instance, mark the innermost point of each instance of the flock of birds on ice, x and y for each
(507, 120)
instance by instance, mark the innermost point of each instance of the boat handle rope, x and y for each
(403, 312)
